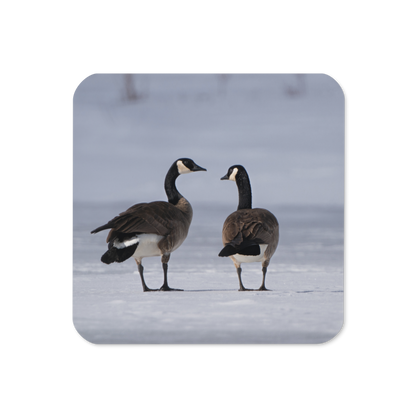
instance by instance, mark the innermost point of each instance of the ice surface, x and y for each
(287, 130)
(305, 304)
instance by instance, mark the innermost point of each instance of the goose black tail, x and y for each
(118, 255)
(252, 250)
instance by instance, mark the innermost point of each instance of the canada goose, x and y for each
(152, 229)
(249, 234)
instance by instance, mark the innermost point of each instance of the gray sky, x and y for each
(287, 130)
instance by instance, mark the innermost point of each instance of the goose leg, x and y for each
(242, 288)
(263, 286)
(165, 287)
(141, 269)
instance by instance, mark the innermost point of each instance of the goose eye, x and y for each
(188, 164)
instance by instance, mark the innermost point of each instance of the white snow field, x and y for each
(288, 132)
(305, 304)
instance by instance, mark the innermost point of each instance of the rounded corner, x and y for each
(76, 89)
(80, 334)
(335, 336)
(336, 82)
(79, 82)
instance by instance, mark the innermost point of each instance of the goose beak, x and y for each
(197, 168)
(225, 177)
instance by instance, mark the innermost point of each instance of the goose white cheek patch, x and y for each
(232, 176)
(182, 169)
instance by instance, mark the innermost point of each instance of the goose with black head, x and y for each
(249, 234)
(152, 229)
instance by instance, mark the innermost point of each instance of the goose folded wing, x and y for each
(256, 231)
(235, 233)
(257, 225)
(153, 218)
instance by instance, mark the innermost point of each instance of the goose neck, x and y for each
(170, 185)
(244, 191)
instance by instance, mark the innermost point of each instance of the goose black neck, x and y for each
(244, 190)
(170, 187)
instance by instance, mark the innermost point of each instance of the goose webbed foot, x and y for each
(242, 288)
(147, 289)
(144, 285)
(263, 283)
(166, 288)
(263, 288)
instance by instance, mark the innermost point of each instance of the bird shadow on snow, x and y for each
(319, 291)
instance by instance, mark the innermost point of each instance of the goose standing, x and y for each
(152, 229)
(249, 234)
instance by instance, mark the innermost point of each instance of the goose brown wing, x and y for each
(158, 217)
(256, 225)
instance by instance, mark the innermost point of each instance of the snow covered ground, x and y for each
(288, 131)
(305, 276)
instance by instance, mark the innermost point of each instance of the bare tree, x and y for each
(298, 87)
(222, 83)
(129, 88)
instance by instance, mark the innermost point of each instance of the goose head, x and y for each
(234, 172)
(186, 165)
